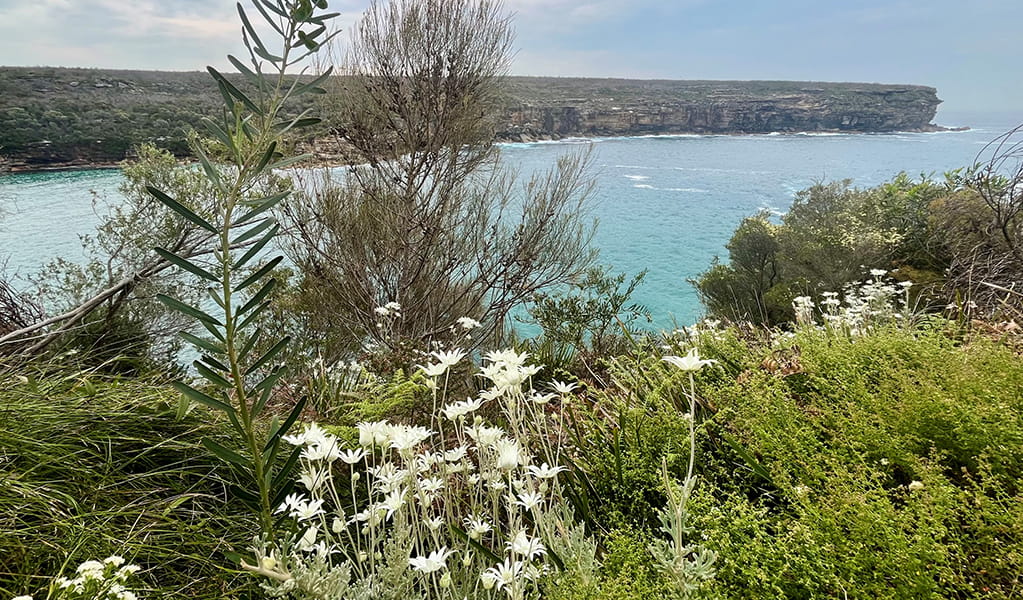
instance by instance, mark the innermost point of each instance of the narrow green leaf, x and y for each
(213, 363)
(293, 416)
(315, 83)
(258, 296)
(201, 343)
(267, 156)
(262, 53)
(219, 134)
(180, 209)
(269, 355)
(255, 248)
(246, 496)
(253, 232)
(270, 20)
(320, 19)
(287, 162)
(211, 376)
(260, 206)
(244, 70)
(212, 293)
(235, 92)
(286, 126)
(285, 474)
(252, 315)
(202, 398)
(249, 344)
(226, 454)
(185, 264)
(271, 379)
(459, 532)
(260, 403)
(226, 95)
(183, 308)
(270, 4)
(283, 492)
(214, 331)
(251, 31)
(259, 274)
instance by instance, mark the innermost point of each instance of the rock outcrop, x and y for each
(544, 108)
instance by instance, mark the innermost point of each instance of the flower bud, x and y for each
(445, 581)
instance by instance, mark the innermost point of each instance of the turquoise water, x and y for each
(667, 204)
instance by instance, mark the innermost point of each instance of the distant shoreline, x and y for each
(6, 168)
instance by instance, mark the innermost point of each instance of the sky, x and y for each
(969, 49)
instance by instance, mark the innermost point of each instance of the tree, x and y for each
(430, 219)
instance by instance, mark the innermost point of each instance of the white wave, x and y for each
(644, 186)
(637, 177)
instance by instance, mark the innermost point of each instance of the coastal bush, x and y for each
(892, 456)
(830, 236)
(430, 219)
(592, 317)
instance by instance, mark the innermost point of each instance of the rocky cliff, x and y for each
(539, 108)
(61, 118)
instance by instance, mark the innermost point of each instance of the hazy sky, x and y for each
(969, 49)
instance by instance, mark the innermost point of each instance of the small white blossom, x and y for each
(467, 323)
(545, 471)
(690, 362)
(433, 562)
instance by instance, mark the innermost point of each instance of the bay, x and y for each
(667, 204)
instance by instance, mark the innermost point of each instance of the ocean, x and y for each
(667, 204)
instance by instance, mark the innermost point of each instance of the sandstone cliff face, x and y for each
(546, 108)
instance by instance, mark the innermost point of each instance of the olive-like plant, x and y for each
(236, 362)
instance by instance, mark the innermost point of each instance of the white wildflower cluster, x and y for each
(864, 306)
(464, 505)
(96, 580)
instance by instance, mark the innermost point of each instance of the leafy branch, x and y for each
(240, 376)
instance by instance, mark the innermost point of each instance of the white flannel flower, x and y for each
(509, 454)
(404, 438)
(435, 370)
(563, 388)
(448, 358)
(545, 471)
(457, 410)
(431, 485)
(393, 306)
(376, 433)
(690, 362)
(456, 454)
(503, 574)
(529, 500)
(352, 456)
(476, 528)
(524, 545)
(878, 272)
(313, 479)
(307, 542)
(483, 435)
(433, 562)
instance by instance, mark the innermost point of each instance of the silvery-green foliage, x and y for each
(689, 565)
(464, 508)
